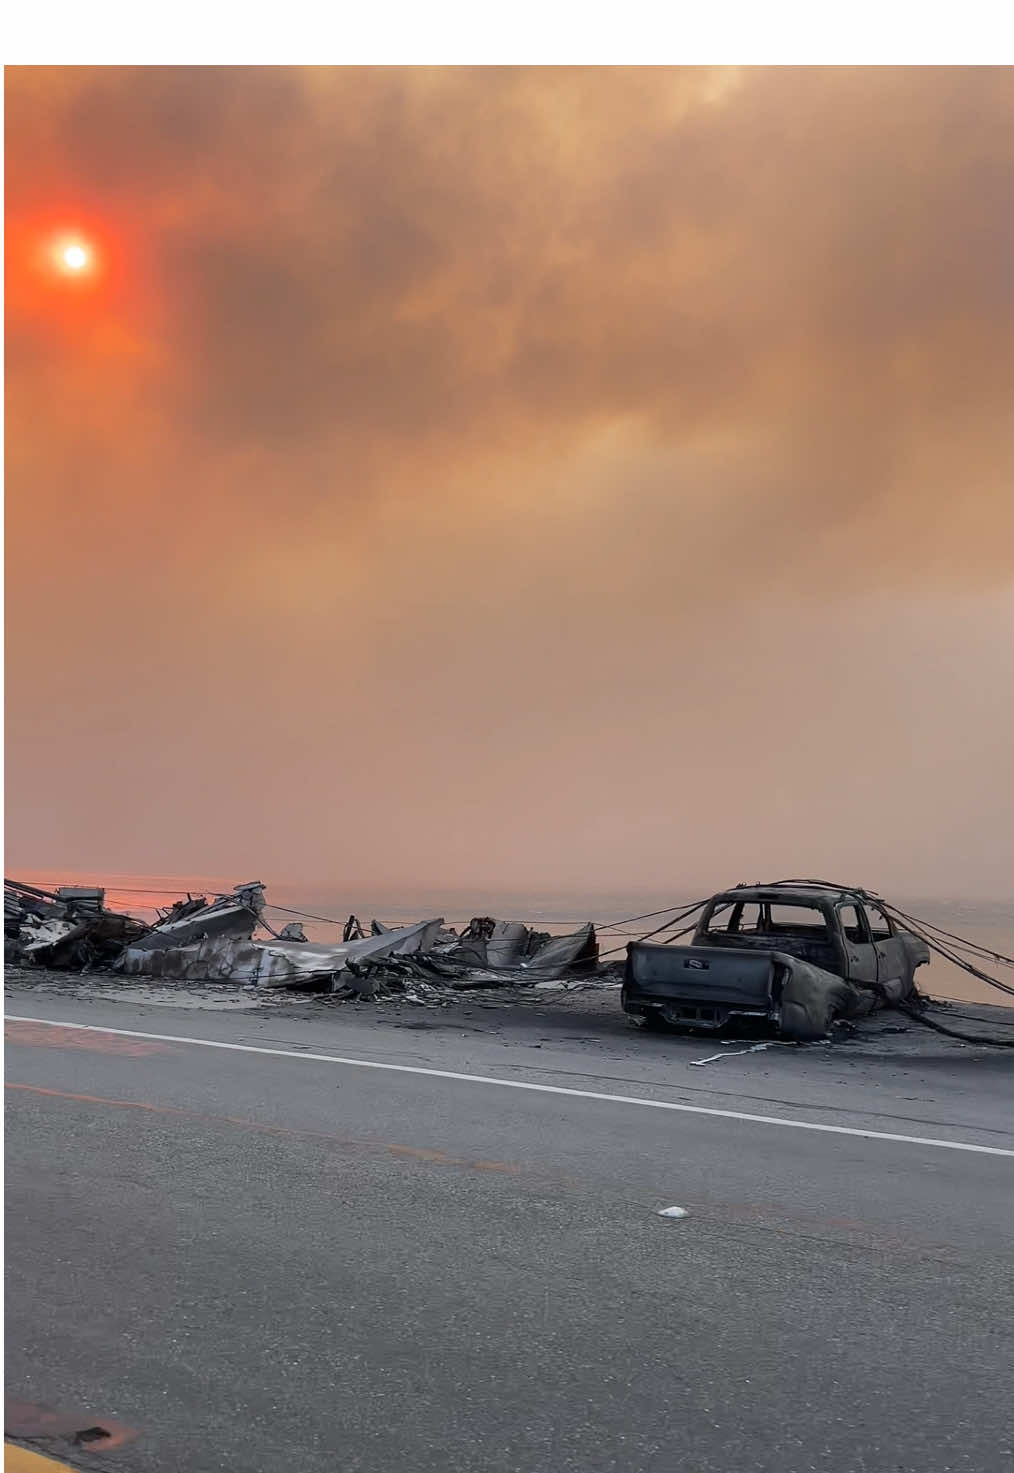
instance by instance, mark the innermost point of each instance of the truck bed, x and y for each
(701, 986)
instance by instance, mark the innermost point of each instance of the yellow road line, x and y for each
(20, 1460)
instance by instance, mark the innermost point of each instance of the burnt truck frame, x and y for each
(796, 956)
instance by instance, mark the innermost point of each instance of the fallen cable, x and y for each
(952, 1032)
(973, 1017)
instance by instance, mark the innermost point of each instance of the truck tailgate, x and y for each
(700, 974)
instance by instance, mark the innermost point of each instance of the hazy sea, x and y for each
(990, 923)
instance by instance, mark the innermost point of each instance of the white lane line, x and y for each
(544, 1089)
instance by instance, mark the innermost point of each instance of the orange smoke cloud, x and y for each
(431, 437)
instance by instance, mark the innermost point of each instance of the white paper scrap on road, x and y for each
(673, 1212)
(755, 1049)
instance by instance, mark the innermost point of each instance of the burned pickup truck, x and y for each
(798, 956)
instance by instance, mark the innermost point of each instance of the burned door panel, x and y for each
(861, 964)
(892, 962)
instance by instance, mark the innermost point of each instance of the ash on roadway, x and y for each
(259, 1259)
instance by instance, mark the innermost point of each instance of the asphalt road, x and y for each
(262, 1261)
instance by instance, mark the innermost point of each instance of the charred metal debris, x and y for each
(69, 927)
(200, 940)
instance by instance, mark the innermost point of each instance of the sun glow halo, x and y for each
(72, 256)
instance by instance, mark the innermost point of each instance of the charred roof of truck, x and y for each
(791, 894)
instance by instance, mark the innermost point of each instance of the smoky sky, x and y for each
(591, 478)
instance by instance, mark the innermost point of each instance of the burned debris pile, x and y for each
(486, 953)
(69, 927)
(202, 940)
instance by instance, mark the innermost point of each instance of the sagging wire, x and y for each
(647, 935)
(687, 930)
(966, 966)
(697, 905)
(305, 915)
(263, 921)
(915, 926)
(650, 915)
(973, 946)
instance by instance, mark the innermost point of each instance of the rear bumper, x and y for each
(687, 1012)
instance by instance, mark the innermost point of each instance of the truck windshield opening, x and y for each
(761, 918)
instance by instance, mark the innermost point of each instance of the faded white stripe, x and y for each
(543, 1089)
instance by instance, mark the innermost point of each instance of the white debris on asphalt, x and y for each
(711, 1058)
(673, 1212)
